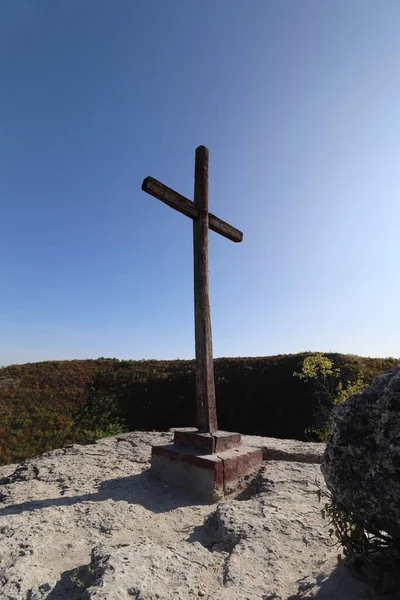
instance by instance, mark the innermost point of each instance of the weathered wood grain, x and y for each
(205, 387)
(187, 207)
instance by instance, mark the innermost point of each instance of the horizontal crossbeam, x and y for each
(187, 207)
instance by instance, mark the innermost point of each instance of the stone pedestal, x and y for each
(212, 465)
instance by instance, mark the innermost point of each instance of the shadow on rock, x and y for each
(335, 584)
(72, 584)
(204, 534)
(144, 489)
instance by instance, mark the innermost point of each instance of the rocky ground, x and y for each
(89, 522)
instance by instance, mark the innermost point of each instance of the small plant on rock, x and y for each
(369, 553)
(76, 580)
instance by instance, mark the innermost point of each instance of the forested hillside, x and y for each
(50, 404)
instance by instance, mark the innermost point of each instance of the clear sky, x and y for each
(299, 104)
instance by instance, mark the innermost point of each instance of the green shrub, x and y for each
(98, 417)
(329, 389)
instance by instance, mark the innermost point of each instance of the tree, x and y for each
(329, 389)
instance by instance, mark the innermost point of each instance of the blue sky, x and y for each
(298, 103)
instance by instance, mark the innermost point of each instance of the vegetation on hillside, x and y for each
(50, 404)
(329, 389)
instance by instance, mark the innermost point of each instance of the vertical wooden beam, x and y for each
(205, 387)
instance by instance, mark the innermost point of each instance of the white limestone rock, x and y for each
(89, 521)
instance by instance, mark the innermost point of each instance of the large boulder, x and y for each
(361, 463)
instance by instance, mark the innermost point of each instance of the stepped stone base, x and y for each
(209, 442)
(188, 463)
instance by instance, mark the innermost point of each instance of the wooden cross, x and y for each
(202, 221)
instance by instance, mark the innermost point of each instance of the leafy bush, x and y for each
(98, 418)
(329, 388)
